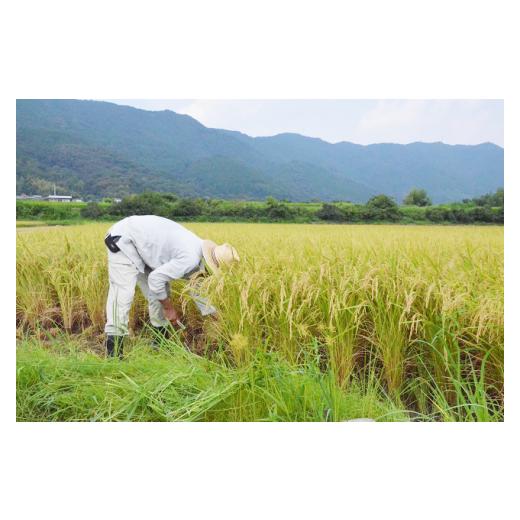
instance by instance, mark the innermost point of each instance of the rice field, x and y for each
(316, 323)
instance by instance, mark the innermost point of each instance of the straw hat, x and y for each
(216, 256)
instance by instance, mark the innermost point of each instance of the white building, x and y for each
(59, 198)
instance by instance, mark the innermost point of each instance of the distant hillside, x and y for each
(102, 149)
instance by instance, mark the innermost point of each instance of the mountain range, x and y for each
(93, 148)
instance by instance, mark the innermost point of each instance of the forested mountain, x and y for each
(93, 148)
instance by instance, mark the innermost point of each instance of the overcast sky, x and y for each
(358, 121)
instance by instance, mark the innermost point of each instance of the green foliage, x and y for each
(188, 208)
(413, 214)
(382, 207)
(435, 214)
(489, 199)
(92, 211)
(36, 210)
(278, 211)
(417, 197)
(379, 209)
(331, 212)
(147, 203)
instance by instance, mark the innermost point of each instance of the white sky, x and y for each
(358, 121)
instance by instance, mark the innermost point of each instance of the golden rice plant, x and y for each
(416, 303)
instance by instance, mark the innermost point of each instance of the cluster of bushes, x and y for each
(383, 209)
(380, 208)
(489, 199)
(465, 215)
(371, 212)
(171, 206)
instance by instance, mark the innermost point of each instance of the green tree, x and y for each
(187, 208)
(382, 207)
(436, 214)
(417, 197)
(149, 203)
(481, 214)
(277, 210)
(92, 211)
(491, 199)
(330, 212)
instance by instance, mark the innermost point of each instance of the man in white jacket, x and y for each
(151, 251)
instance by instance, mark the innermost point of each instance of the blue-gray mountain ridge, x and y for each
(96, 149)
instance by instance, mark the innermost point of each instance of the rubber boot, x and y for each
(115, 346)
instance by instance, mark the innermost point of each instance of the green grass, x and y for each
(68, 383)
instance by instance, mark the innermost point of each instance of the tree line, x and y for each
(417, 207)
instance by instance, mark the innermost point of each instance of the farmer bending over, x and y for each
(151, 251)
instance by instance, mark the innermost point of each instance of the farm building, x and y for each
(59, 198)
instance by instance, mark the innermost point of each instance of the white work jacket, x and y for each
(167, 249)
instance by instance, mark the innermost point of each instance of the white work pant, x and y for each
(123, 276)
